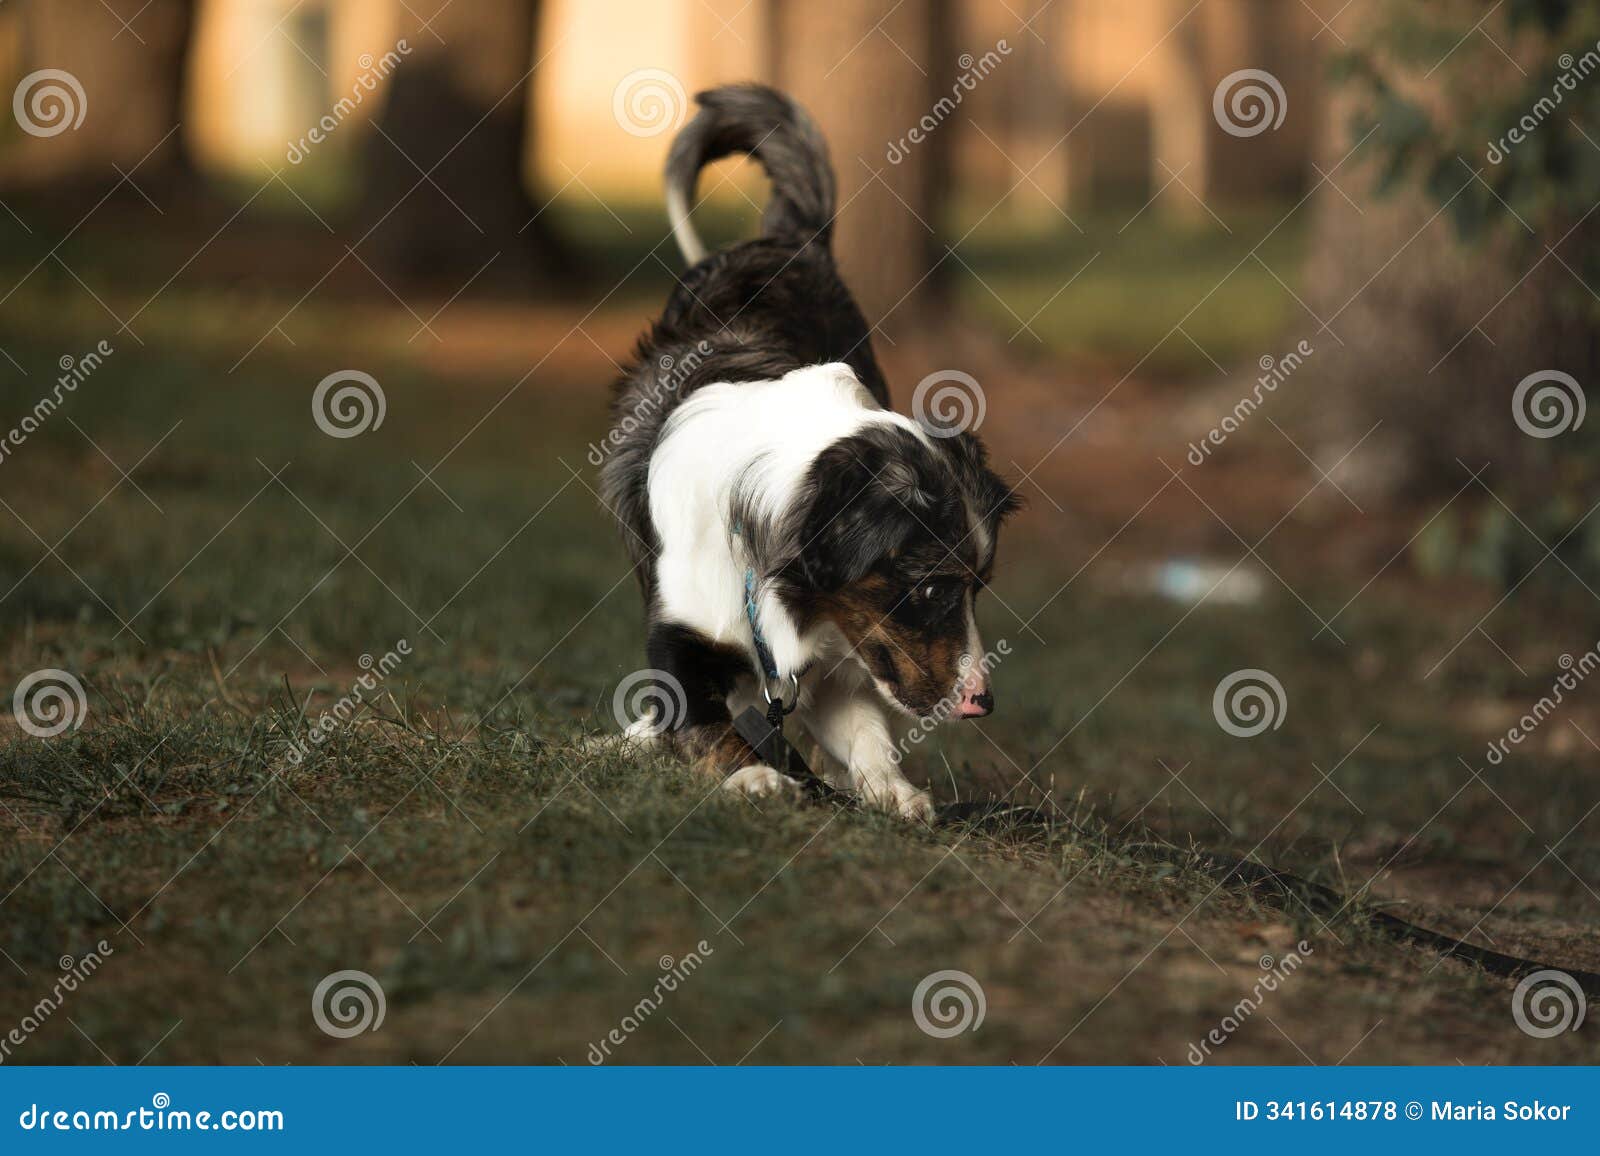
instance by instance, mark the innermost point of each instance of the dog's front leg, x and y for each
(845, 717)
(698, 726)
(719, 752)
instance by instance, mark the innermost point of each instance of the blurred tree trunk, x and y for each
(1436, 332)
(869, 71)
(458, 111)
(1037, 106)
(1181, 116)
(1462, 292)
(131, 60)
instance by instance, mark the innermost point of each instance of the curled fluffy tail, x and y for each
(765, 124)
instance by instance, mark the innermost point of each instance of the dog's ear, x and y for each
(994, 498)
(862, 509)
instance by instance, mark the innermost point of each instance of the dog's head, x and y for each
(892, 541)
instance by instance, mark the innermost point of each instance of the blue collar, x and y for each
(769, 665)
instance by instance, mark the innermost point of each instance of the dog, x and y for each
(795, 538)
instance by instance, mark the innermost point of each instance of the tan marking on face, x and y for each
(920, 667)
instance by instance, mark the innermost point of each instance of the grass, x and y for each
(515, 891)
(1120, 288)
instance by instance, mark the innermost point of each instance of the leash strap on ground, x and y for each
(1282, 890)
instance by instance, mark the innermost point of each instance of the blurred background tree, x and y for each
(856, 68)
(458, 110)
(1491, 121)
(1081, 201)
(138, 79)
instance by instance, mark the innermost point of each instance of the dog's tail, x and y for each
(765, 124)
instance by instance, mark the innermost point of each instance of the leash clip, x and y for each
(776, 705)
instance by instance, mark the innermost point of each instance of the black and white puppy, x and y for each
(793, 534)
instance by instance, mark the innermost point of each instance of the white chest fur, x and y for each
(761, 437)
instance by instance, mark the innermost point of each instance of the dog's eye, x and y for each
(938, 592)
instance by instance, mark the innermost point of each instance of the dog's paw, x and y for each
(643, 732)
(759, 781)
(641, 737)
(899, 797)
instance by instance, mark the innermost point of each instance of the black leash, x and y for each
(1282, 890)
(764, 733)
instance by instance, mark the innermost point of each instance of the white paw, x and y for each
(759, 780)
(639, 737)
(643, 732)
(900, 797)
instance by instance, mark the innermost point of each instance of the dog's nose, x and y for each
(976, 705)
